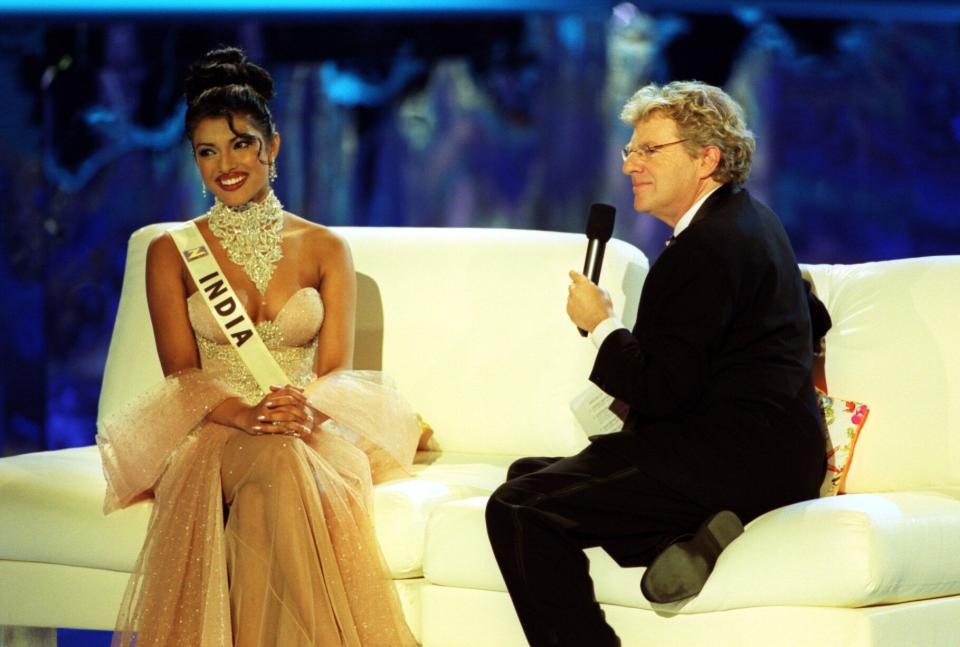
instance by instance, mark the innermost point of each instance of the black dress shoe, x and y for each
(682, 568)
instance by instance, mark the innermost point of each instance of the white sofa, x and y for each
(471, 324)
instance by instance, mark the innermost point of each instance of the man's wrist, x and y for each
(603, 329)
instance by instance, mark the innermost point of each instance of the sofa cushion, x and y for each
(51, 502)
(894, 346)
(402, 508)
(503, 359)
(51, 511)
(846, 551)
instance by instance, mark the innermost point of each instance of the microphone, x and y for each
(599, 231)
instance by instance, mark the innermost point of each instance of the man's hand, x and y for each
(587, 305)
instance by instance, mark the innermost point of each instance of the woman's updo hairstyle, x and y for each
(223, 83)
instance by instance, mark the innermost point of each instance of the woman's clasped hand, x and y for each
(284, 410)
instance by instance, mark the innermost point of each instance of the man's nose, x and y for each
(632, 164)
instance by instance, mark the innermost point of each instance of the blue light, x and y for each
(294, 6)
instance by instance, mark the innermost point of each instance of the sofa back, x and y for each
(470, 322)
(894, 346)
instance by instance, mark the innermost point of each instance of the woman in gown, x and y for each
(261, 531)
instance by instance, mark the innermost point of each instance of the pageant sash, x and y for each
(225, 307)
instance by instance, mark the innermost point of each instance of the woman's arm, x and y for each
(338, 289)
(176, 345)
(167, 300)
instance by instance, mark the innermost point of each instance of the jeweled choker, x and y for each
(251, 236)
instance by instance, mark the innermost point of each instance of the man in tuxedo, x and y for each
(722, 424)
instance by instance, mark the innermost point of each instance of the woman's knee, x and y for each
(269, 459)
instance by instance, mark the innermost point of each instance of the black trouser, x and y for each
(550, 509)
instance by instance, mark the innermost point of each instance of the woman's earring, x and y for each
(203, 188)
(272, 173)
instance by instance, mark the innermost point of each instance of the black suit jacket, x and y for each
(717, 370)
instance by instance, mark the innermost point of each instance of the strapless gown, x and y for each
(259, 540)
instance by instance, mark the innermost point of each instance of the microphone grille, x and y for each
(600, 222)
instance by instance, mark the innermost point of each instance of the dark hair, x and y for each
(224, 83)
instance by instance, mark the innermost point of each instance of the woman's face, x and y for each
(234, 163)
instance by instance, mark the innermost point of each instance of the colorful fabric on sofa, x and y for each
(843, 420)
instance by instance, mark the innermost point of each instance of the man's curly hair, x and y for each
(705, 116)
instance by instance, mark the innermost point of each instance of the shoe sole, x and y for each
(681, 570)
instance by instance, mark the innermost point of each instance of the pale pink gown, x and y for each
(259, 540)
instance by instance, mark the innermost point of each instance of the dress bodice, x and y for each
(291, 338)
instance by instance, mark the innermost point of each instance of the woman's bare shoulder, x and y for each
(318, 238)
(162, 251)
(163, 241)
(161, 248)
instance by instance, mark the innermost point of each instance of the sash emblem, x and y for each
(195, 253)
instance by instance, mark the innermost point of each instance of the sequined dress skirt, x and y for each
(259, 540)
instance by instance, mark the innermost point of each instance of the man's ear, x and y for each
(709, 161)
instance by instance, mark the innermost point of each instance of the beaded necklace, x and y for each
(251, 235)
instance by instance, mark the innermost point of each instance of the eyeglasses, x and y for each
(645, 151)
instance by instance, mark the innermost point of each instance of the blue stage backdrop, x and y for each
(475, 113)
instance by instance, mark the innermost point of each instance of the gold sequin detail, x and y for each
(296, 361)
(291, 338)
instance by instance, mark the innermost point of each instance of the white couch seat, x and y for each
(52, 506)
(851, 551)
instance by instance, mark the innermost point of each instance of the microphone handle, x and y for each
(595, 253)
(591, 244)
(586, 270)
(598, 263)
